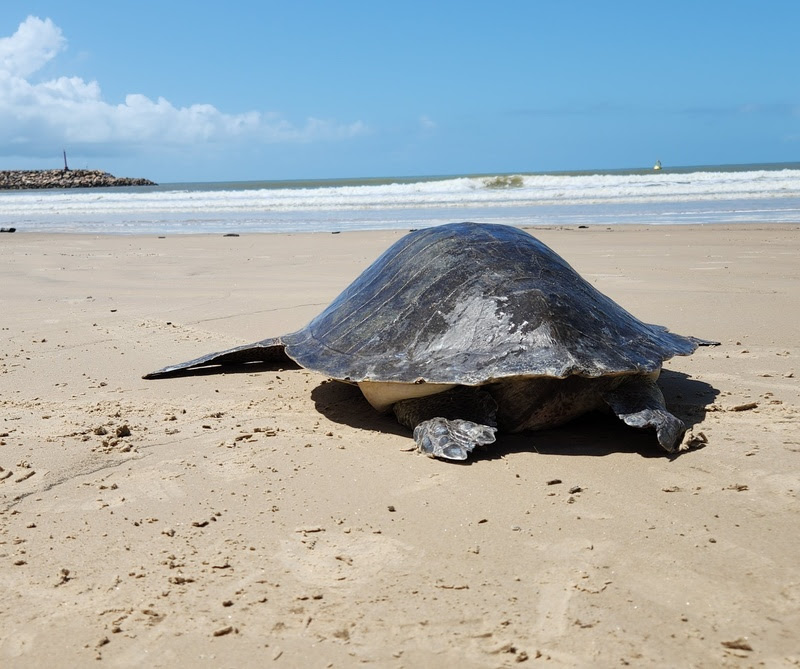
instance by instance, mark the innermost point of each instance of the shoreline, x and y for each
(701, 198)
(270, 513)
(533, 228)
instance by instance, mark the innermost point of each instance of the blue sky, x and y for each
(181, 91)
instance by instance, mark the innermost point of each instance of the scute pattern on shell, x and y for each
(470, 303)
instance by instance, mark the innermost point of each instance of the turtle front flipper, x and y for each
(639, 402)
(267, 350)
(450, 424)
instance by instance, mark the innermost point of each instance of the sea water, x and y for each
(714, 194)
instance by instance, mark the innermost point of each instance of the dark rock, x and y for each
(28, 179)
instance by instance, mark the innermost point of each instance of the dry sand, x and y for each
(272, 518)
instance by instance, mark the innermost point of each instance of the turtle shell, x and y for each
(472, 303)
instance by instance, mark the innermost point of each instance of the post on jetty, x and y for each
(66, 167)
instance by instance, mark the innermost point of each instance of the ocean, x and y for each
(710, 194)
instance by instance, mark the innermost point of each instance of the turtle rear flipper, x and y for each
(451, 439)
(266, 350)
(640, 403)
(450, 424)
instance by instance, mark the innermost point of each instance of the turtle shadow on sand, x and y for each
(593, 434)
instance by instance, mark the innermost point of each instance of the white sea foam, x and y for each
(703, 196)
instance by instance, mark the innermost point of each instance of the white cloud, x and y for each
(27, 50)
(35, 117)
(426, 123)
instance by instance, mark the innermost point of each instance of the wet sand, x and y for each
(271, 518)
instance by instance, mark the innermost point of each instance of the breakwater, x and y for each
(30, 179)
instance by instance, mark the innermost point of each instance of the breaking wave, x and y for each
(759, 194)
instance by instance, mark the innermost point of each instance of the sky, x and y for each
(178, 91)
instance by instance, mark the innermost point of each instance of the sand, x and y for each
(272, 518)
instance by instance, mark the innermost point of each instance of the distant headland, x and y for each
(65, 178)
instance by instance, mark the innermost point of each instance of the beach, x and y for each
(271, 517)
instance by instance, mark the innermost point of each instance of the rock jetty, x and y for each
(26, 179)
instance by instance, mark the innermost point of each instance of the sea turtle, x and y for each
(465, 328)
